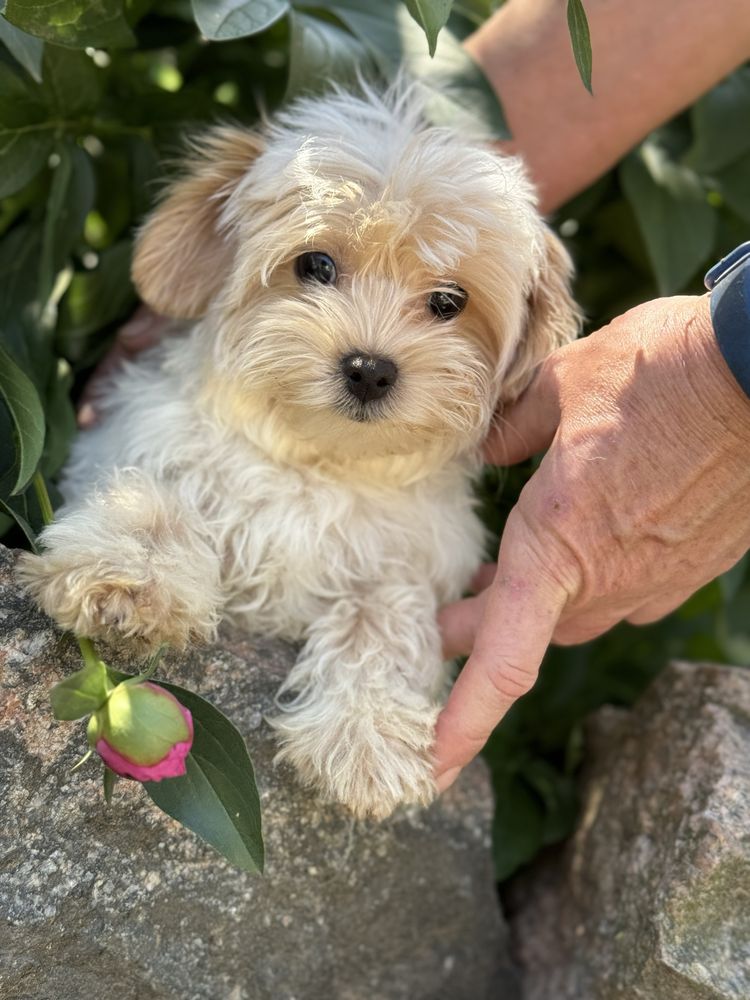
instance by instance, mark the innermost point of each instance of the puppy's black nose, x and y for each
(367, 377)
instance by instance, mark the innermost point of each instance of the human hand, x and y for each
(144, 329)
(643, 497)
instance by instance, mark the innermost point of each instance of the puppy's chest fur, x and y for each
(291, 540)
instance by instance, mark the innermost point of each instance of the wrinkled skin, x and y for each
(642, 497)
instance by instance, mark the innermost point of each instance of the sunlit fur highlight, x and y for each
(234, 476)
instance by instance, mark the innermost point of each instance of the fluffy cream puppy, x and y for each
(365, 289)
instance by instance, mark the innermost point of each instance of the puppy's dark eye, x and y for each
(447, 303)
(315, 266)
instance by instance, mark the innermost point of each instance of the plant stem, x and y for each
(89, 653)
(42, 496)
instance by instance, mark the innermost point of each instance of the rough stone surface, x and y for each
(651, 897)
(124, 902)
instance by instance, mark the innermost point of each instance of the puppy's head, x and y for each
(374, 286)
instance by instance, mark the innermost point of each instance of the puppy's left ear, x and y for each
(181, 255)
(553, 317)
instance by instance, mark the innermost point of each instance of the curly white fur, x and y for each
(230, 476)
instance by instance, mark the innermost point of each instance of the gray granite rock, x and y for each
(123, 902)
(650, 900)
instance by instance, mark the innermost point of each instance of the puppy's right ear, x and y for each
(181, 256)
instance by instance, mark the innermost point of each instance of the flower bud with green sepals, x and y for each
(142, 732)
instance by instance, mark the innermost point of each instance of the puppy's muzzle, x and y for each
(368, 378)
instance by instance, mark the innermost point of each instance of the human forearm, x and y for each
(651, 60)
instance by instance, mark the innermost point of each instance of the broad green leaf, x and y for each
(558, 795)
(721, 124)
(16, 511)
(217, 798)
(94, 300)
(20, 331)
(459, 89)
(674, 216)
(22, 509)
(61, 419)
(143, 163)
(72, 84)
(70, 200)
(734, 183)
(580, 39)
(73, 23)
(731, 581)
(81, 693)
(26, 135)
(24, 151)
(32, 114)
(319, 52)
(431, 16)
(26, 49)
(221, 20)
(518, 831)
(27, 414)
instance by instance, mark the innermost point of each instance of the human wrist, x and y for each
(720, 391)
(728, 282)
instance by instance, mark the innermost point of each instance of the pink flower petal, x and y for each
(170, 766)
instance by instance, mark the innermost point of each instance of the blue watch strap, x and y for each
(729, 283)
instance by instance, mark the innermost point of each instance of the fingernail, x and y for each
(446, 779)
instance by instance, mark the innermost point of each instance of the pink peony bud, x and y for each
(142, 732)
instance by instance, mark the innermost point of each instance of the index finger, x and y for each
(522, 609)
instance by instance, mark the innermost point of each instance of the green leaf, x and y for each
(731, 581)
(27, 414)
(721, 124)
(23, 155)
(459, 89)
(221, 20)
(217, 798)
(734, 183)
(70, 200)
(61, 419)
(15, 509)
(26, 49)
(580, 39)
(143, 164)
(72, 84)
(319, 52)
(431, 16)
(26, 137)
(94, 300)
(32, 114)
(518, 825)
(80, 694)
(674, 216)
(73, 23)
(20, 330)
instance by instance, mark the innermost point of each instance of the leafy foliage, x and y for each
(217, 798)
(94, 102)
(28, 418)
(432, 16)
(581, 40)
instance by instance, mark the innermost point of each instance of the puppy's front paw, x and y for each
(370, 763)
(97, 598)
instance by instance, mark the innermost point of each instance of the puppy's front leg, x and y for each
(130, 561)
(368, 686)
